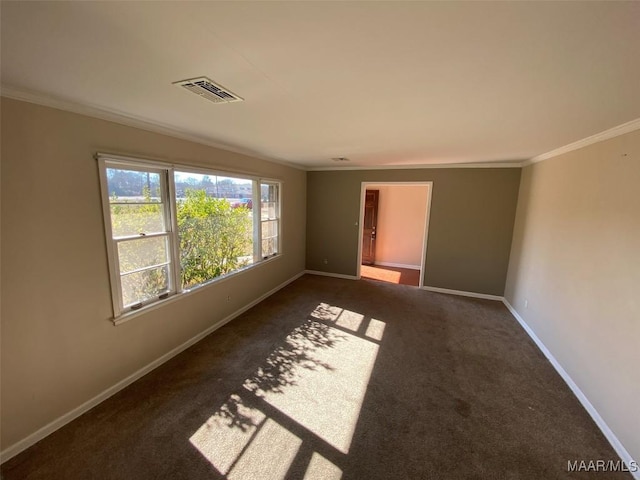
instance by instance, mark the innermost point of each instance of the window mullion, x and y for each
(174, 238)
(141, 237)
(257, 221)
(142, 269)
(279, 215)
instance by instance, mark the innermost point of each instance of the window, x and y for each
(140, 235)
(270, 218)
(171, 229)
(215, 225)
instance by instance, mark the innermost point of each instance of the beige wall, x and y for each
(400, 230)
(470, 229)
(576, 260)
(59, 347)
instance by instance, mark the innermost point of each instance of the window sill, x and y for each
(125, 317)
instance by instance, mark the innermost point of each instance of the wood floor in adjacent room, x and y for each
(402, 276)
(332, 378)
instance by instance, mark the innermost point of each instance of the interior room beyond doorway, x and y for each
(394, 217)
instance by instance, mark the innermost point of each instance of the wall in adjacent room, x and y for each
(470, 227)
(574, 273)
(400, 228)
(59, 346)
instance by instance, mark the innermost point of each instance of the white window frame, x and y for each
(277, 217)
(168, 193)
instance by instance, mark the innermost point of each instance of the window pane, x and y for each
(235, 190)
(269, 238)
(269, 247)
(269, 192)
(269, 197)
(215, 226)
(269, 213)
(135, 202)
(140, 286)
(133, 185)
(270, 229)
(133, 219)
(269, 210)
(141, 253)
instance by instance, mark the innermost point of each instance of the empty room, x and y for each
(319, 240)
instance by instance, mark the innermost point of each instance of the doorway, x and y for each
(394, 219)
(369, 225)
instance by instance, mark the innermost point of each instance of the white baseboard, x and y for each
(462, 293)
(602, 425)
(25, 443)
(329, 274)
(397, 265)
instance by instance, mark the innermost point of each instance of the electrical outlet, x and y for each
(526, 303)
(325, 261)
(228, 298)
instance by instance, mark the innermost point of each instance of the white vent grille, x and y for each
(205, 88)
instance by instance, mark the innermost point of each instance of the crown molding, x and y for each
(514, 164)
(598, 137)
(112, 115)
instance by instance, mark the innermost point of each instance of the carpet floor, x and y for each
(330, 379)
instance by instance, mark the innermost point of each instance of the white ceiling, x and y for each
(384, 83)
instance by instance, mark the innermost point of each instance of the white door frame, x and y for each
(363, 190)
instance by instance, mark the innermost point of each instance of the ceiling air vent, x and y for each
(207, 89)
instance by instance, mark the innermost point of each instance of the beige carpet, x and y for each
(332, 379)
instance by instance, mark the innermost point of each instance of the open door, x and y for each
(369, 227)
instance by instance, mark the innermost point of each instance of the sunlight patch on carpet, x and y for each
(242, 442)
(342, 317)
(324, 385)
(322, 469)
(318, 378)
(350, 320)
(326, 312)
(375, 329)
(222, 438)
(268, 456)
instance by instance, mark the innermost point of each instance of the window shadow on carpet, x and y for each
(307, 394)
